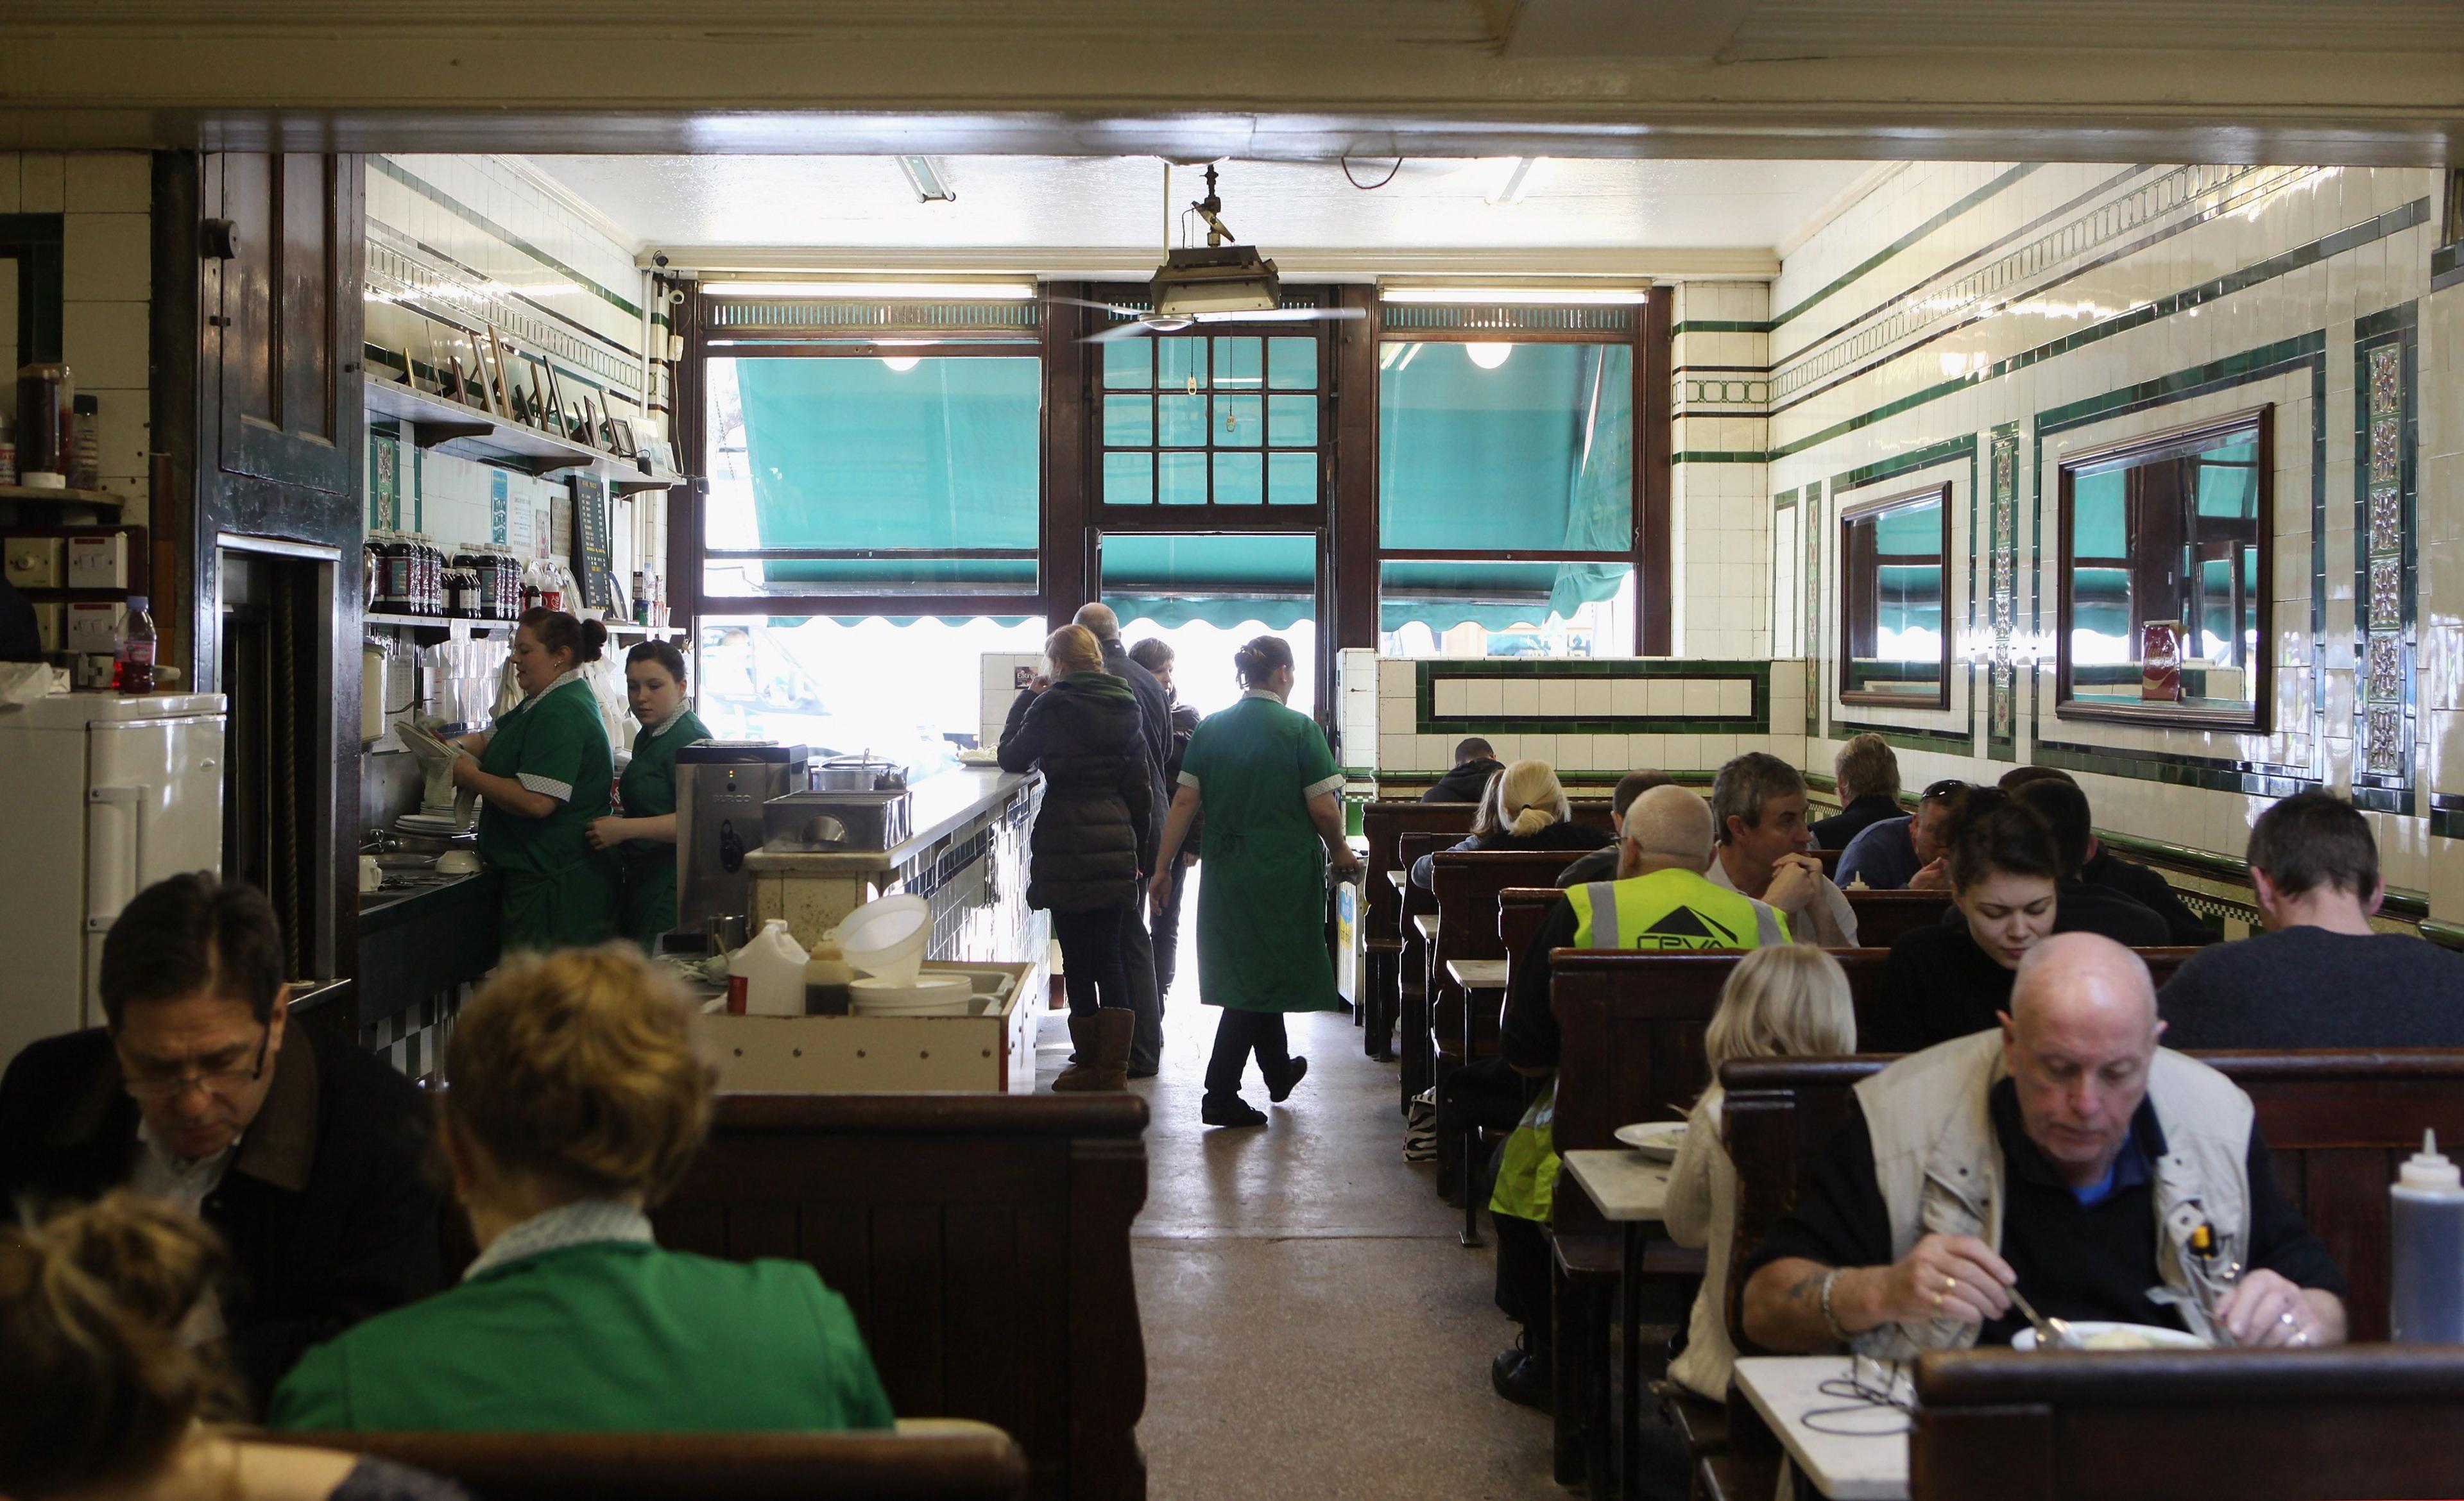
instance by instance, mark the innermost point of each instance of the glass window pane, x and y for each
(1129, 478)
(1491, 446)
(1238, 363)
(1128, 422)
(1181, 421)
(2097, 505)
(1181, 364)
(1291, 479)
(1291, 364)
(1238, 423)
(1128, 364)
(1486, 609)
(906, 687)
(1239, 478)
(1180, 478)
(1292, 421)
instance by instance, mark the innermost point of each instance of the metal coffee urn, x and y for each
(720, 787)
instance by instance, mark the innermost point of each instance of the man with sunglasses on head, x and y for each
(306, 1153)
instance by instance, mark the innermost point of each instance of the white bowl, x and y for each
(887, 938)
(926, 995)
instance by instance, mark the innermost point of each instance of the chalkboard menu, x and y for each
(593, 564)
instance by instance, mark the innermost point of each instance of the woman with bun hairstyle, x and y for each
(1524, 807)
(102, 1397)
(1274, 816)
(644, 837)
(574, 1102)
(544, 771)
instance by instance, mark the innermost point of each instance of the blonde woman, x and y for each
(1524, 807)
(1785, 1001)
(575, 1102)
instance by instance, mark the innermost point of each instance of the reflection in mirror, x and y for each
(1893, 579)
(2167, 573)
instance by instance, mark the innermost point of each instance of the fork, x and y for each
(2051, 1332)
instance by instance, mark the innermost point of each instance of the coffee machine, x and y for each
(720, 787)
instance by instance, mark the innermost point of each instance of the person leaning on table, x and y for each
(2067, 1154)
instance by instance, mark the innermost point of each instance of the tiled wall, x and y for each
(105, 200)
(1719, 521)
(1972, 323)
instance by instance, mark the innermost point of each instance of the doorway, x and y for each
(1205, 593)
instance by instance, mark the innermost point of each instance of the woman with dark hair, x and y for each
(544, 771)
(644, 836)
(1272, 798)
(1954, 978)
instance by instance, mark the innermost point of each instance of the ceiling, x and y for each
(1103, 213)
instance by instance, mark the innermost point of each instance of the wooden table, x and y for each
(1428, 923)
(1398, 878)
(1632, 1193)
(1478, 974)
(1784, 1389)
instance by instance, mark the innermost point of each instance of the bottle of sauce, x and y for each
(827, 977)
(2426, 1249)
(134, 672)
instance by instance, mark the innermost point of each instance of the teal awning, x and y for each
(1222, 579)
(1495, 596)
(1535, 452)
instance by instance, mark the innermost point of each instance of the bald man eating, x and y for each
(2067, 1154)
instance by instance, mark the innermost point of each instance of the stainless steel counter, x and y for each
(944, 805)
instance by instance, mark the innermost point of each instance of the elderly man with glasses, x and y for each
(308, 1153)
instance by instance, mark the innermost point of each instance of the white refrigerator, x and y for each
(101, 796)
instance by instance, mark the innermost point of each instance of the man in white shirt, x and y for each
(1758, 801)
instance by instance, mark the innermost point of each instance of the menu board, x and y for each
(593, 564)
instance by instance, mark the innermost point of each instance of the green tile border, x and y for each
(2446, 266)
(1714, 326)
(1945, 741)
(446, 201)
(1426, 721)
(1719, 456)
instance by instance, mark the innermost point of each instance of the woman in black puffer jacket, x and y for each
(1082, 731)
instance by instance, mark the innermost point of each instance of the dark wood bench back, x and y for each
(1469, 884)
(962, 1462)
(1381, 823)
(2337, 1123)
(1882, 917)
(983, 1242)
(2148, 1426)
(1521, 911)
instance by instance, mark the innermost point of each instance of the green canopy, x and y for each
(1173, 580)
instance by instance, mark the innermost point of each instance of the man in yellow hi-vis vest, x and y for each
(1660, 900)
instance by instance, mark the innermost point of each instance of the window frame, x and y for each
(1850, 515)
(2134, 453)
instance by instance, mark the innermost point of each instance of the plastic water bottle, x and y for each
(2426, 1249)
(133, 673)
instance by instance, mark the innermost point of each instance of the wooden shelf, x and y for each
(98, 500)
(615, 628)
(451, 427)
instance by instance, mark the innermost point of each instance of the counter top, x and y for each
(943, 804)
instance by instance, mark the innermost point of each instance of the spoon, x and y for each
(2053, 1333)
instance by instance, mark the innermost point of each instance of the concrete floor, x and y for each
(1312, 1328)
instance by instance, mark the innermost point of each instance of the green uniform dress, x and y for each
(1262, 912)
(648, 867)
(558, 892)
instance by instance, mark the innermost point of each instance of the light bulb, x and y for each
(1489, 356)
(902, 363)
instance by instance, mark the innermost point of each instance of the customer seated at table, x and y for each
(1475, 762)
(2318, 977)
(2104, 871)
(103, 1394)
(1601, 864)
(2087, 909)
(1953, 977)
(306, 1153)
(1867, 775)
(1758, 806)
(575, 1101)
(1908, 854)
(1787, 1001)
(2065, 1155)
(1524, 809)
(1661, 901)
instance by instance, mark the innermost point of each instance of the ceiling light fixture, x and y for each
(1517, 297)
(902, 363)
(1517, 181)
(878, 291)
(1488, 356)
(924, 175)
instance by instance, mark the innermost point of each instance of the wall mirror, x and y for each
(1895, 588)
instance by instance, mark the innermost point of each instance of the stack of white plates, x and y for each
(426, 823)
(925, 995)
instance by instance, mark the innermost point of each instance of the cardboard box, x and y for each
(990, 1052)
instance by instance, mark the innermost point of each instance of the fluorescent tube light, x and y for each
(878, 291)
(1517, 297)
(924, 175)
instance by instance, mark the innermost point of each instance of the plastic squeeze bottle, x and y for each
(2426, 1249)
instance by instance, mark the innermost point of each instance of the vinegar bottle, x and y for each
(2426, 1249)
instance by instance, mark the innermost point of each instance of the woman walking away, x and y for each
(1080, 728)
(1787, 1001)
(1270, 791)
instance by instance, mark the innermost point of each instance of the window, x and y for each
(1894, 582)
(908, 688)
(2164, 559)
(1206, 594)
(1223, 420)
(1458, 610)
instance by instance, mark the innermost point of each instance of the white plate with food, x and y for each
(1656, 1140)
(2100, 1335)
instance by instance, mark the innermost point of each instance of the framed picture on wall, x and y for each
(620, 439)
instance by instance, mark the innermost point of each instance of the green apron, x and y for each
(1262, 912)
(558, 892)
(1662, 912)
(648, 867)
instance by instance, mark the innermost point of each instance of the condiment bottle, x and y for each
(2426, 1249)
(827, 977)
(136, 648)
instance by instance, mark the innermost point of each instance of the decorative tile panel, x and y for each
(2383, 628)
(1682, 698)
(2386, 589)
(2002, 596)
(1814, 615)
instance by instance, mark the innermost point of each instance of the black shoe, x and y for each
(1522, 1377)
(1144, 1073)
(1280, 1093)
(1229, 1109)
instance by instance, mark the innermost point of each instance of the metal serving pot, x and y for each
(858, 773)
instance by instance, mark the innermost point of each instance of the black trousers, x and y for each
(1092, 964)
(1523, 1274)
(1167, 933)
(1237, 1036)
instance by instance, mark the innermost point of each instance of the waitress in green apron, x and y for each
(644, 836)
(544, 771)
(1272, 797)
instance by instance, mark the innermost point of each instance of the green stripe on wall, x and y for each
(1991, 189)
(438, 196)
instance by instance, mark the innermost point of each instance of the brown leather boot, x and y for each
(1102, 1041)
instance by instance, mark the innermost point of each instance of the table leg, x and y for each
(1630, 1330)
